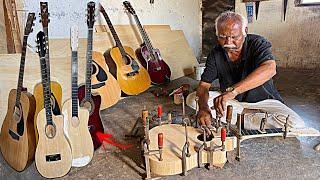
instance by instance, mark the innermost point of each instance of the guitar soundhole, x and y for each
(54, 157)
(209, 138)
(50, 131)
(88, 105)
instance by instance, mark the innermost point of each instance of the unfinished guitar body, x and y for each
(56, 101)
(53, 154)
(77, 133)
(173, 142)
(17, 139)
(130, 85)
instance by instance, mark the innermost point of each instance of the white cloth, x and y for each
(277, 112)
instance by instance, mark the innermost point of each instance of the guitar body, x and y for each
(158, 70)
(103, 82)
(18, 146)
(173, 142)
(130, 85)
(94, 124)
(77, 133)
(56, 101)
(53, 155)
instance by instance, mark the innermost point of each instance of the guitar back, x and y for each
(130, 85)
(56, 101)
(17, 139)
(53, 155)
(77, 133)
(103, 82)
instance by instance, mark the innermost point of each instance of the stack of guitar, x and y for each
(58, 135)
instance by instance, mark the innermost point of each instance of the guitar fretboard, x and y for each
(74, 79)
(21, 70)
(89, 64)
(144, 34)
(46, 89)
(114, 34)
(46, 36)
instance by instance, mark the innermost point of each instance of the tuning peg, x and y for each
(31, 30)
(48, 20)
(40, 21)
(48, 14)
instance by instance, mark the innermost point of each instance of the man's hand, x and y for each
(220, 102)
(204, 116)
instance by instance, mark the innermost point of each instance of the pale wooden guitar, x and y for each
(132, 77)
(17, 139)
(56, 90)
(75, 117)
(53, 153)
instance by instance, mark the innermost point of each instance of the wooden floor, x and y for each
(262, 158)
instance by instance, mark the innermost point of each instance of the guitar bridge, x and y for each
(54, 157)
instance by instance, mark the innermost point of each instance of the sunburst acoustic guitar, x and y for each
(132, 77)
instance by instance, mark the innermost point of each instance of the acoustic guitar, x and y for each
(56, 90)
(88, 100)
(149, 56)
(132, 77)
(17, 139)
(75, 117)
(174, 140)
(53, 153)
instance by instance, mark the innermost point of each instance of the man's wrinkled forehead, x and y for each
(230, 25)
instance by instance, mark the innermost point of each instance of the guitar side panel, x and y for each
(94, 124)
(18, 153)
(56, 90)
(58, 145)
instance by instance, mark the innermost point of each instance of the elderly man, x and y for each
(242, 62)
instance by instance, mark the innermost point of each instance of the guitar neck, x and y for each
(114, 34)
(46, 33)
(46, 89)
(89, 64)
(144, 34)
(21, 70)
(74, 80)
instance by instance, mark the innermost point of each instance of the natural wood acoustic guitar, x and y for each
(53, 153)
(149, 56)
(132, 77)
(17, 139)
(56, 90)
(75, 117)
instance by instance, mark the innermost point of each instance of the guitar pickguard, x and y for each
(55, 106)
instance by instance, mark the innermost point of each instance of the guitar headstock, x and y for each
(74, 33)
(44, 14)
(129, 8)
(91, 6)
(41, 44)
(28, 29)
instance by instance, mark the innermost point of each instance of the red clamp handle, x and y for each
(159, 111)
(223, 134)
(160, 140)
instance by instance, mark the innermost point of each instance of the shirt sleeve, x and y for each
(263, 51)
(210, 72)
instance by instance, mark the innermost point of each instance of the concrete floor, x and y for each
(262, 158)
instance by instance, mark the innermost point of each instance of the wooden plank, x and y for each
(3, 35)
(8, 25)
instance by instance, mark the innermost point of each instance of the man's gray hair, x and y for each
(231, 15)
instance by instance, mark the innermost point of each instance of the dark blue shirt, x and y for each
(256, 50)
